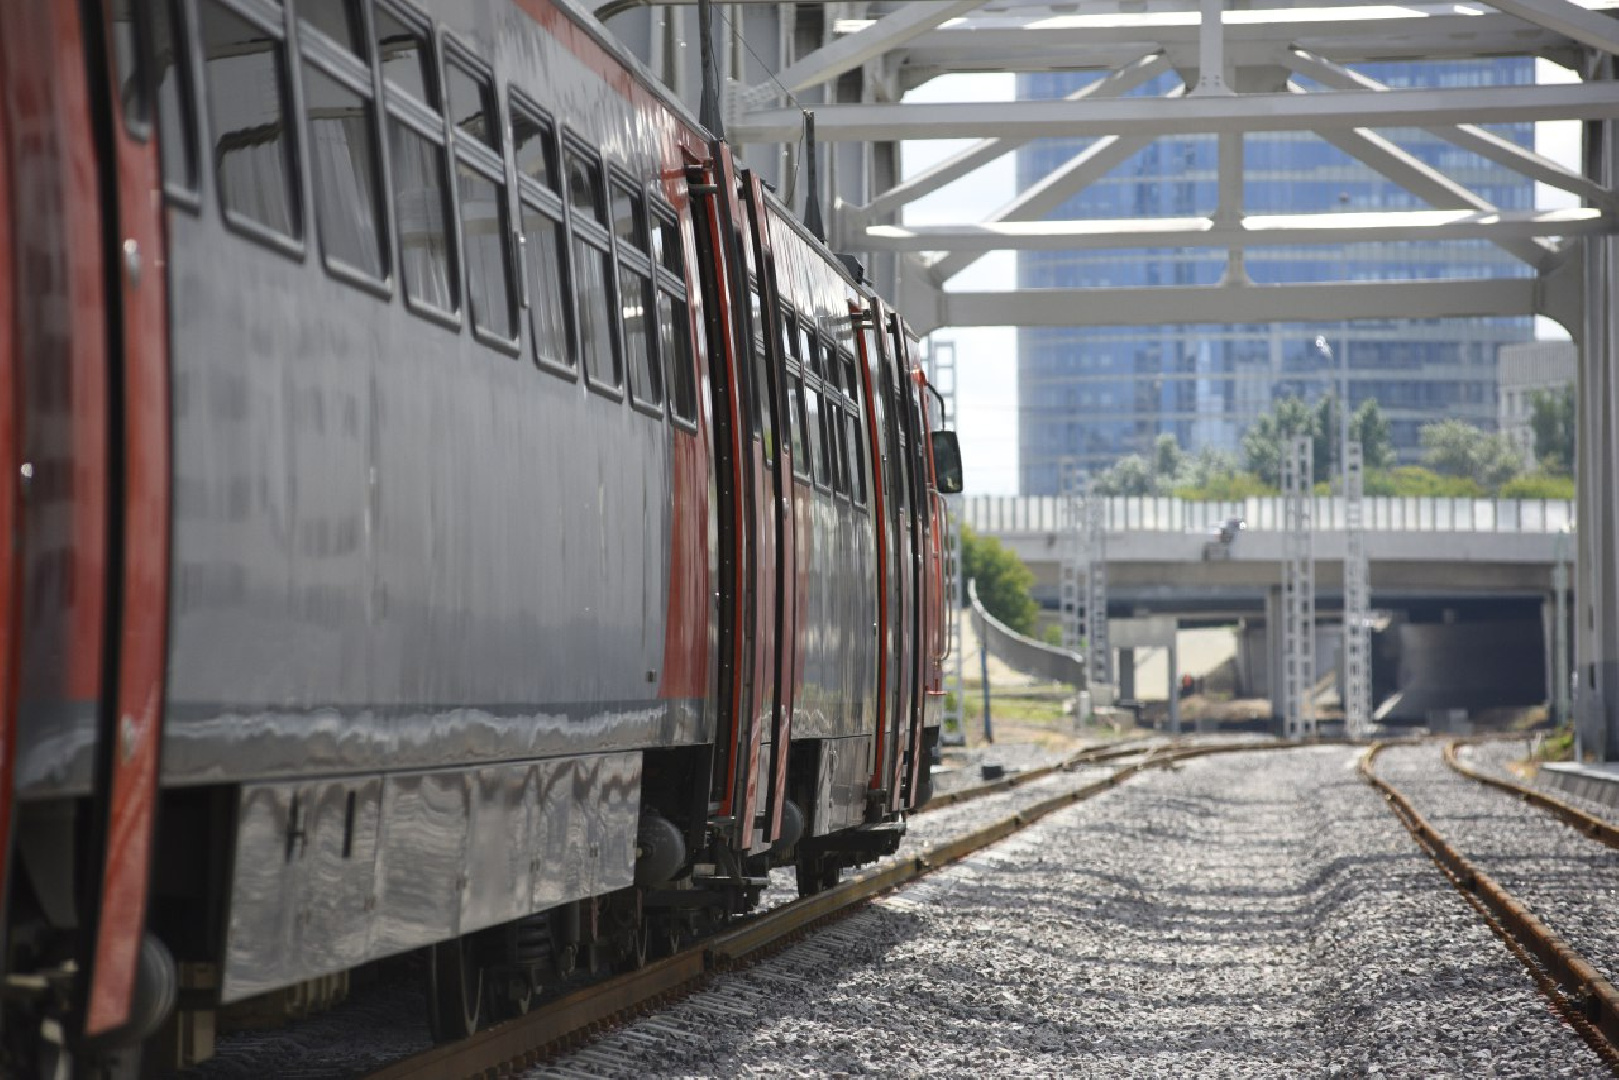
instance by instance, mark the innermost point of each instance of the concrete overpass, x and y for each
(1162, 553)
(1467, 583)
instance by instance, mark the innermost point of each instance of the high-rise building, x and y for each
(1099, 393)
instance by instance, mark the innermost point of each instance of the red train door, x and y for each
(84, 430)
(908, 729)
(776, 608)
(11, 480)
(746, 540)
(137, 329)
(890, 485)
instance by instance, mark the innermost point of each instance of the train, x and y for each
(453, 511)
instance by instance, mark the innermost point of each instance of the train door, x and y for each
(84, 454)
(746, 568)
(776, 609)
(889, 486)
(909, 726)
(928, 583)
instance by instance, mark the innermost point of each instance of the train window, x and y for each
(832, 420)
(857, 459)
(851, 378)
(674, 317)
(759, 377)
(584, 186)
(809, 350)
(666, 247)
(815, 432)
(246, 69)
(339, 20)
(176, 141)
(674, 339)
(795, 406)
(406, 55)
(532, 146)
(342, 136)
(592, 276)
(419, 191)
(635, 301)
(628, 223)
(480, 181)
(483, 238)
(845, 334)
(543, 245)
(469, 105)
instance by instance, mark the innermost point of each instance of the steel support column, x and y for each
(1597, 336)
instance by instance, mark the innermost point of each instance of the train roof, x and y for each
(583, 17)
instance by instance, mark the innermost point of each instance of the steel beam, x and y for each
(1269, 230)
(1077, 173)
(1141, 70)
(853, 50)
(1153, 117)
(1348, 37)
(1467, 136)
(1587, 27)
(1423, 181)
(1171, 305)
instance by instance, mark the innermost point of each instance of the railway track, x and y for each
(1573, 983)
(578, 1017)
(1604, 832)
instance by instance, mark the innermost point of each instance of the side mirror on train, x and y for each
(947, 462)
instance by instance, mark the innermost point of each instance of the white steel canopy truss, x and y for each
(1264, 66)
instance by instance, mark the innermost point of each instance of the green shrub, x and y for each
(1538, 485)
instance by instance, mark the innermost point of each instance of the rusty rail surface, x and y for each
(1576, 990)
(573, 1020)
(1091, 755)
(1604, 832)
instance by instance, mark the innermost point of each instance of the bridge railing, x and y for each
(1016, 513)
(1023, 654)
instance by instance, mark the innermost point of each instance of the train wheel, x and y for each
(455, 989)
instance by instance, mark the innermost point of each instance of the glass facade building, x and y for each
(1099, 393)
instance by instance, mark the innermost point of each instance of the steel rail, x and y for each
(571, 1020)
(1576, 990)
(1604, 832)
(1091, 755)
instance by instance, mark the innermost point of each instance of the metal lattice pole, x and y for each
(1098, 655)
(1072, 581)
(1357, 688)
(1298, 591)
(942, 373)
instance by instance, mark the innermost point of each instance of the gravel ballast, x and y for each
(1252, 915)
(1569, 881)
(1500, 757)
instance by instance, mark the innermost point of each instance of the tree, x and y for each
(1138, 475)
(1130, 475)
(1265, 439)
(1167, 459)
(1456, 448)
(1376, 438)
(1003, 580)
(1552, 419)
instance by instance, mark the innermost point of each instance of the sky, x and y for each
(986, 358)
